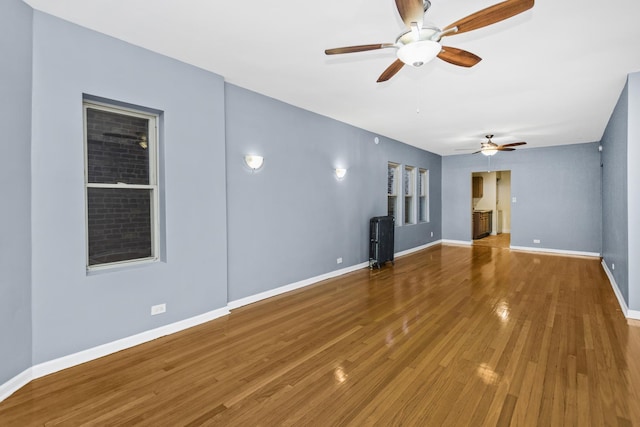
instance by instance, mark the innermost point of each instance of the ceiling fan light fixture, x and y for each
(489, 151)
(419, 53)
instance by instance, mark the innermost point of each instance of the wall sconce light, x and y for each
(254, 162)
(341, 172)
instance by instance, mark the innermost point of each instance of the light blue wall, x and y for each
(633, 190)
(288, 222)
(413, 235)
(227, 233)
(557, 191)
(292, 219)
(15, 188)
(614, 194)
(73, 311)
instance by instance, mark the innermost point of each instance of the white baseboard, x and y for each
(555, 251)
(55, 365)
(307, 282)
(457, 242)
(629, 314)
(83, 356)
(417, 248)
(15, 383)
(293, 286)
(51, 366)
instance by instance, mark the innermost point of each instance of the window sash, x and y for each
(409, 210)
(393, 187)
(152, 187)
(120, 225)
(392, 179)
(423, 207)
(409, 190)
(408, 181)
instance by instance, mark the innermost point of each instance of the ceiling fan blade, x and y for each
(513, 144)
(360, 48)
(501, 148)
(490, 15)
(459, 57)
(411, 11)
(476, 152)
(390, 71)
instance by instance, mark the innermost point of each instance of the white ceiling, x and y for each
(549, 76)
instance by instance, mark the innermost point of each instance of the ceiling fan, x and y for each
(421, 43)
(489, 148)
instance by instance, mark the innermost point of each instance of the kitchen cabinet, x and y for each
(477, 187)
(482, 222)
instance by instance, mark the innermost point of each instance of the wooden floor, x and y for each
(450, 335)
(502, 240)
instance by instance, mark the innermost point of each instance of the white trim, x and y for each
(87, 355)
(64, 362)
(15, 383)
(629, 314)
(555, 251)
(293, 286)
(232, 305)
(457, 242)
(417, 248)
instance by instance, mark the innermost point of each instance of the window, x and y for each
(393, 172)
(121, 185)
(409, 180)
(423, 192)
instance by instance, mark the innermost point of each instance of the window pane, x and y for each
(119, 224)
(391, 179)
(391, 206)
(407, 181)
(408, 210)
(117, 148)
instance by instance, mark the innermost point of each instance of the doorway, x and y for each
(491, 208)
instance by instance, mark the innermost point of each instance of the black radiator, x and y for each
(380, 240)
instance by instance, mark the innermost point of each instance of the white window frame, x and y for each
(408, 186)
(395, 191)
(423, 178)
(152, 147)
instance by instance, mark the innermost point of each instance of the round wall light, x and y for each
(253, 161)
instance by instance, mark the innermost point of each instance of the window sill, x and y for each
(121, 266)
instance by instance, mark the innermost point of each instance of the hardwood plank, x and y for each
(450, 335)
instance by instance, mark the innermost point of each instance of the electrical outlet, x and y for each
(339, 261)
(613, 266)
(158, 309)
(432, 234)
(513, 200)
(536, 240)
